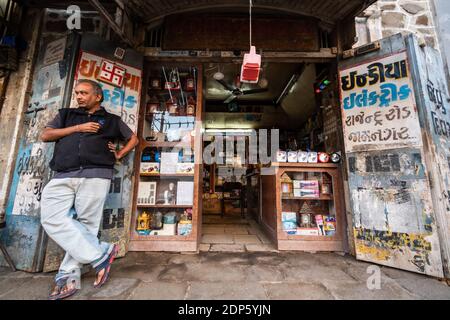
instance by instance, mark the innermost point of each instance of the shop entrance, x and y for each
(292, 101)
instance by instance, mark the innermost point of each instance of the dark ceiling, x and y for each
(148, 11)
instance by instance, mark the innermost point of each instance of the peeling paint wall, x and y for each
(433, 95)
(394, 218)
(12, 127)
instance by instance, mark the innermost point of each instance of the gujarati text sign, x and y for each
(378, 106)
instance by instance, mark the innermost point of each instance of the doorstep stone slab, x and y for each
(213, 230)
(217, 238)
(247, 239)
(359, 291)
(204, 247)
(159, 291)
(227, 248)
(297, 291)
(236, 230)
(264, 273)
(261, 248)
(215, 272)
(226, 291)
(313, 274)
(116, 287)
(426, 288)
(27, 289)
(147, 273)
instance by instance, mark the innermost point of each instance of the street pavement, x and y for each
(236, 275)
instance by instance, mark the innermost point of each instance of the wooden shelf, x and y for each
(164, 206)
(147, 115)
(322, 197)
(274, 201)
(166, 144)
(174, 243)
(305, 165)
(167, 175)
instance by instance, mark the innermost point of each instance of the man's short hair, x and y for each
(95, 85)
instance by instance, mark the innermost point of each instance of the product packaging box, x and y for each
(169, 229)
(312, 157)
(306, 188)
(302, 156)
(184, 229)
(292, 156)
(281, 156)
(330, 225)
(147, 193)
(185, 168)
(307, 232)
(150, 167)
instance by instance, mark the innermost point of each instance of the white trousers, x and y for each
(78, 237)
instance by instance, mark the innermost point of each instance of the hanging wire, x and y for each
(165, 77)
(251, 5)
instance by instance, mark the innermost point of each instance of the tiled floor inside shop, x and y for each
(232, 233)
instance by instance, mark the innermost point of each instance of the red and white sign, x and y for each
(112, 73)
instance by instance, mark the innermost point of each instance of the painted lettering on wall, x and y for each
(378, 106)
(123, 101)
(376, 73)
(32, 172)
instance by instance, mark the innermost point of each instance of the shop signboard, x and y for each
(378, 105)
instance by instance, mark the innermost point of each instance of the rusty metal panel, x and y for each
(393, 216)
(433, 96)
(24, 237)
(219, 32)
(394, 219)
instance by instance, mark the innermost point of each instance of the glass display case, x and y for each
(167, 182)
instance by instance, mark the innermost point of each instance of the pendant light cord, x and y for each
(251, 4)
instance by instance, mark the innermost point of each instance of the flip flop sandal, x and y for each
(106, 265)
(60, 284)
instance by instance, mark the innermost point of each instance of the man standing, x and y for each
(72, 202)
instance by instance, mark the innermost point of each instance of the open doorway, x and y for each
(290, 97)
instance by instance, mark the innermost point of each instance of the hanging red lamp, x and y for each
(251, 66)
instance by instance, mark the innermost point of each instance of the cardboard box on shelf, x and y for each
(185, 168)
(307, 232)
(150, 167)
(292, 156)
(169, 229)
(184, 228)
(306, 188)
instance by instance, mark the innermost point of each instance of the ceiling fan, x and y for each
(236, 91)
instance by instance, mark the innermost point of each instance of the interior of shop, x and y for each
(230, 201)
(288, 97)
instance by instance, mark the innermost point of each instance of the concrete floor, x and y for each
(235, 275)
(232, 233)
